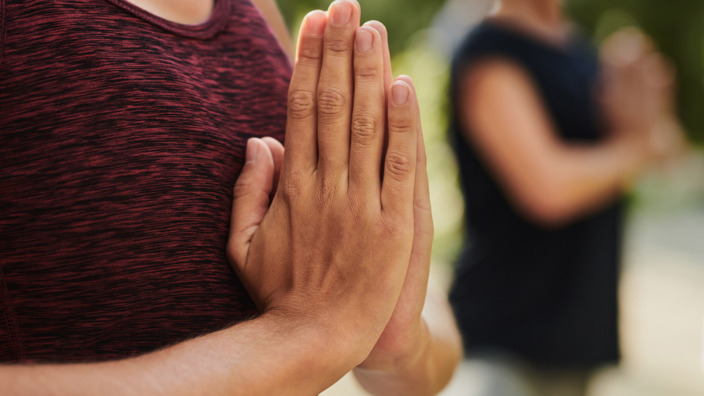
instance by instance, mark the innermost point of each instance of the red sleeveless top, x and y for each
(121, 137)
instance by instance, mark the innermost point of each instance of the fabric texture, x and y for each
(121, 137)
(546, 295)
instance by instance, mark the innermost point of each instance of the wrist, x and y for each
(334, 347)
(400, 354)
(665, 137)
(407, 372)
(631, 150)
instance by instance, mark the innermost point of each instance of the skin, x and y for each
(188, 12)
(194, 12)
(552, 181)
(411, 356)
(336, 261)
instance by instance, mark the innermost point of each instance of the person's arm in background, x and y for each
(328, 284)
(553, 182)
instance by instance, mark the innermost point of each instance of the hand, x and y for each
(638, 93)
(334, 246)
(406, 334)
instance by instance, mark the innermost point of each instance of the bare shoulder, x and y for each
(497, 87)
(495, 77)
(272, 14)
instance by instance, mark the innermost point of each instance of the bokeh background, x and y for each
(662, 290)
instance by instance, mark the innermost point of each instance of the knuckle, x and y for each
(309, 55)
(291, 187)
(358, 212)
(326, 190)
(400, 125)
(364, 129)
(337, 46)
(246, 186)
(331, 102)
(396, 228)
(362, 208)
(241, 190)
(398, 165)
(301, 104)
(427, 226)
(366, 73)
(422, 206)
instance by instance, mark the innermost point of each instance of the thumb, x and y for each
(250, 200)
(277, 152)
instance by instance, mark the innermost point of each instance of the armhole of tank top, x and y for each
(2, 29)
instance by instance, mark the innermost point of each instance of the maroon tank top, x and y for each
(121, 137)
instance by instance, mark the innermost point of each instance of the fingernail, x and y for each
(341, 12)
(252, 151)
(315, 22)
(364, 40)
(399, 92)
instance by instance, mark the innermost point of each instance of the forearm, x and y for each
(550, 180)
(584, 178)
(261, 357)
(431, 367)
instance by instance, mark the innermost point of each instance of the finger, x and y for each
(250, 199)
(335, 87)
(388, 76)
(301, 122)
(423, 230)
(659, 70)
(277, 152)
(421, 194)
(400, 161)
(368, 114)
(665, 80)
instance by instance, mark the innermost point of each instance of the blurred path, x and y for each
(662, 298)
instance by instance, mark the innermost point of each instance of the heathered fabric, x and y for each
(121, 137)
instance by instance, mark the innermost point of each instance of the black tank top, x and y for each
(548, 295)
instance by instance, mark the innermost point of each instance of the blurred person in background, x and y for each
(548, 139)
